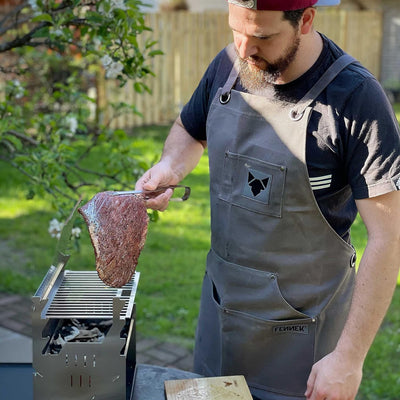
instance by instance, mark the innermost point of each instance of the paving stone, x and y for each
(161, 355)
(6, 314)
(173, 348)
(22, 308)
(14, 326)
(8, 299)
(144, 344)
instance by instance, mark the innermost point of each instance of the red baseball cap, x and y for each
(282, 5)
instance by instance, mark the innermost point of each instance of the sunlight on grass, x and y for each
(397, 111)
(19, 207)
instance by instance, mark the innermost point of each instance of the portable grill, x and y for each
(99, 362)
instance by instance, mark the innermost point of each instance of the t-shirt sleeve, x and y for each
(373, 151)
(194, 113)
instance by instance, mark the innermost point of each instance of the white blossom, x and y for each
(114, 69)
(97, 43)
(113, 4)
(55, 228)
(76, 232)
(35, 7)
(58, 32)
(33, 4)
(18, 89)
(72, 125)
(118, 4)
(106, 60)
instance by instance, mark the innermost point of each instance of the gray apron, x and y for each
(279, 280)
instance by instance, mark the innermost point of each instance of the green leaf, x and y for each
(155, 53)
(120, 134)
(15, 141)
(42, 32)
(43, 18)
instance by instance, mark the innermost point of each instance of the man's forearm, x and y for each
(181, 151)
(375, 284)
(376, 277)
(180, 155)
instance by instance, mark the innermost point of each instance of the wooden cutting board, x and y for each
(219, 388)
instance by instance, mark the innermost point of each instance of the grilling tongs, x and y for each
(149, 193)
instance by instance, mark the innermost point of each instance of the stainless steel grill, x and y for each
(83, 295)
(89, 366)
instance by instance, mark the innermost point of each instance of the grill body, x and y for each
(100, 370)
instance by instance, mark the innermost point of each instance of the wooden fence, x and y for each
(190, 41)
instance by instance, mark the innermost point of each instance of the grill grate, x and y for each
(82, 294)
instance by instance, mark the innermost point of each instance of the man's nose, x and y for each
(245, 46)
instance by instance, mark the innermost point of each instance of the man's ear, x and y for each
(307, 20)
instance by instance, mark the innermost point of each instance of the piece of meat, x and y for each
(117, 227)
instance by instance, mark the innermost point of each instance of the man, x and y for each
(300, 137)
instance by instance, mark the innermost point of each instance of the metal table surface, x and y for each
(16, 381)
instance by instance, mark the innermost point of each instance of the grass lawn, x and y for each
(171, 264)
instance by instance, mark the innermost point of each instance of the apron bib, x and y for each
(279, 280)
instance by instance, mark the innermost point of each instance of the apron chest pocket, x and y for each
(252, 184)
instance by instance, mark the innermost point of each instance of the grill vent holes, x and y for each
(81, 381)
(85, 361)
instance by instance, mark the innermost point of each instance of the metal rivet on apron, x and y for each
(353, 260)
(225, 97)
(295, 115)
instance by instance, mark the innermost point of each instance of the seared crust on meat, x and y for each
(117, 227)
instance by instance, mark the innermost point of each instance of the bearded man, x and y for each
(300, 138)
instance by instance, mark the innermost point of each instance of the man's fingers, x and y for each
(310, 384)
(160, 202)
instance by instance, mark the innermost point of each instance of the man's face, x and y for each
(266, 45)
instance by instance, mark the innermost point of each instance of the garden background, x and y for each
(173, 260)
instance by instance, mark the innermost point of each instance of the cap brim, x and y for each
(327, 3)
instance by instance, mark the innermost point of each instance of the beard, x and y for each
(255, 79)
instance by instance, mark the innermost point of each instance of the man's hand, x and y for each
(157, 176)
(334, 377)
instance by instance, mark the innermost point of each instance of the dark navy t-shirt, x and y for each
(353, 140)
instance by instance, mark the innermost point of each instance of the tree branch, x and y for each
(23, 137)
(24, 40)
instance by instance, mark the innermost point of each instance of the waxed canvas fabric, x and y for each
(279, 280)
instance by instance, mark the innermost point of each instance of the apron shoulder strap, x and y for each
(230, 82)
(330, 74)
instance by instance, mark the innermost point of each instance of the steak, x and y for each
(117, 227)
